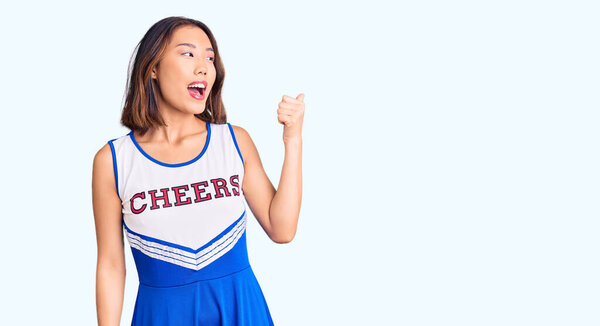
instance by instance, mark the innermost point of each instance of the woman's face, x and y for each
(189, 58)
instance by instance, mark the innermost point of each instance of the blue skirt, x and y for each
(234, 299)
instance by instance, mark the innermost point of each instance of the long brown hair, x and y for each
(140, 111)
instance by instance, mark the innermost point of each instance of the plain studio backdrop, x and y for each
(450, 155)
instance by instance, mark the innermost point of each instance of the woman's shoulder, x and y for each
(104, 154)
(104, 159)
(238, 129)
(246, 145)
(242, 137)
(102, 168)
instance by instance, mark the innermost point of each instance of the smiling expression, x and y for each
(188, 59)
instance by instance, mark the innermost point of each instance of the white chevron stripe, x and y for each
(178, 253)
(186, 259)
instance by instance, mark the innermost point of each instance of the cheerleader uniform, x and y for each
(186, 226)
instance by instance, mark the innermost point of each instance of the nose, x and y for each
(201, 68)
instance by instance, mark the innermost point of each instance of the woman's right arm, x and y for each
(110, 268)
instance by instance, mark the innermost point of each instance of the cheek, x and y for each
(213, 75)
(168, 88)
(170, 92)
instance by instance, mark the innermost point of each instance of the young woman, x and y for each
(175, 187)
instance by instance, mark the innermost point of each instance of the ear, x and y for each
(153, 73)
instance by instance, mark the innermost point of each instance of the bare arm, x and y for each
(276, 211)
(285, 207)
(110, 269)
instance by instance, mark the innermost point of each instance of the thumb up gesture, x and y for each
(291, 114)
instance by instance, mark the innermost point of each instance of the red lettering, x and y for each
(178, 195)
(164, 198)
(235, 184)
(141, 195)
(198, 191)
(218, 187)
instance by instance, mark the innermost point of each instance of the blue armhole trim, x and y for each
(114, 157)
(236, 144)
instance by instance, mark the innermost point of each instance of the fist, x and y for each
(291, 114)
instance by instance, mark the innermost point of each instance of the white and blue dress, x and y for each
(186, 226)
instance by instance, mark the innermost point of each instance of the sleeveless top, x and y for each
(187, 214)
(186, 226)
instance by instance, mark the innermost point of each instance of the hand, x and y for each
(291, 114)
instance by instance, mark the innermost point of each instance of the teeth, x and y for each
(197, 86)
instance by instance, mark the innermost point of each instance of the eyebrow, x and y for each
(193, 46)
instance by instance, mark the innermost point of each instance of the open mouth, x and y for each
(197, 91)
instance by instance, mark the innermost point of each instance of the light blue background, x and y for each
(450, 158)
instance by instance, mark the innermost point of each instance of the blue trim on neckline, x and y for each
(176, 164)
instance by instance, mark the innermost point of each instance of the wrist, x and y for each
(293, 141)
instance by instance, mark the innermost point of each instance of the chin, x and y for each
(199, 111)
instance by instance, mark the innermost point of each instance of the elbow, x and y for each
(283, 238)
(106, 266)
(284, 231)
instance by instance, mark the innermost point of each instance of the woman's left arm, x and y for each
(276, 211)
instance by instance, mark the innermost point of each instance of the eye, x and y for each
(211, 58)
